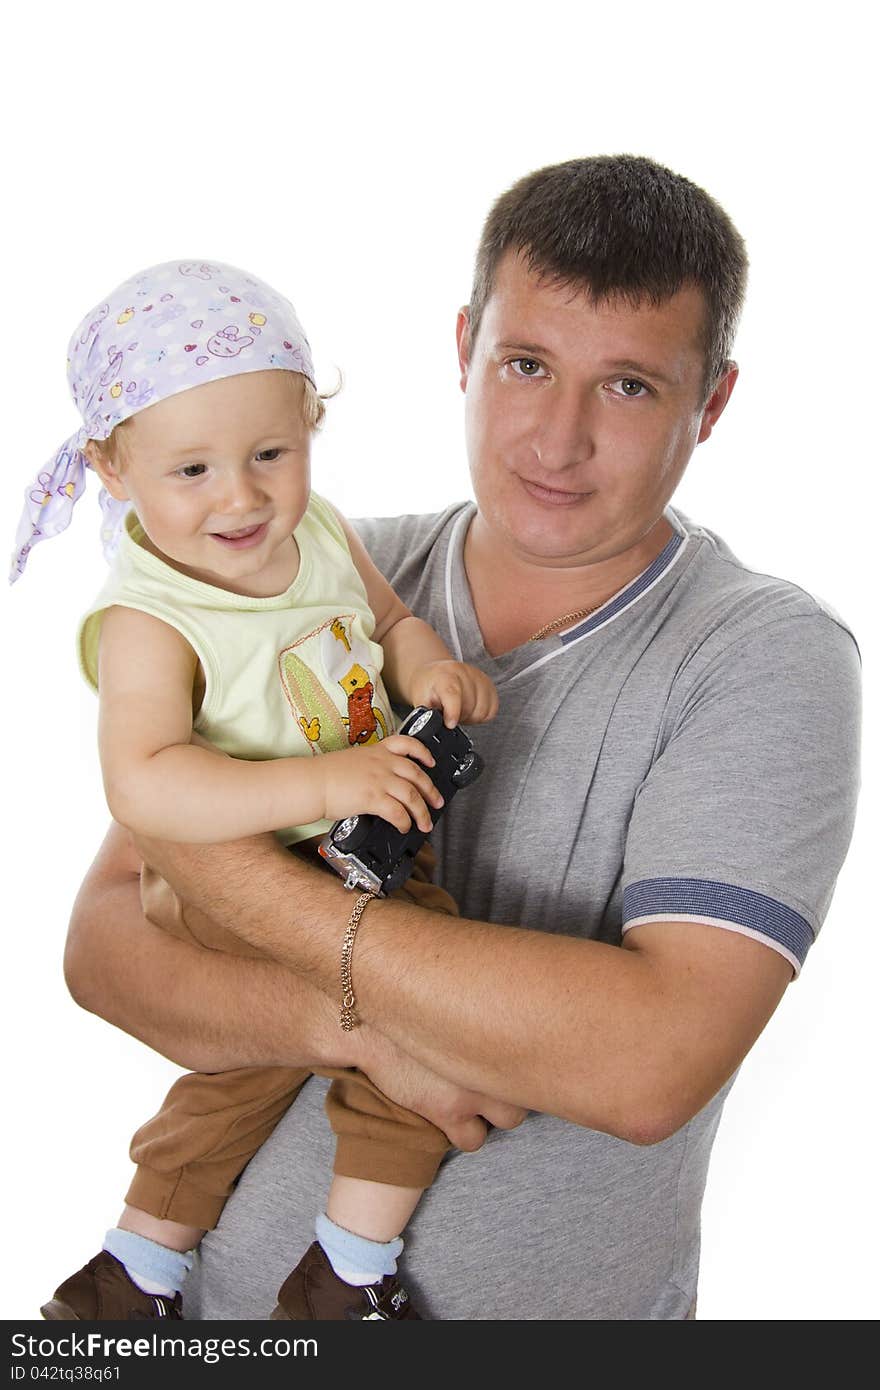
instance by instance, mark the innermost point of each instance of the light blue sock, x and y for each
(164, 1269)
(348, 1253)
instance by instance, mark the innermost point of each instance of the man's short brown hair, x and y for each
(621, 226)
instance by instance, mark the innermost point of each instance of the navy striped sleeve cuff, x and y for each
(719, 905)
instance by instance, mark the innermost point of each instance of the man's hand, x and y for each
(464, 693)
(464, 1116)
(382, 779)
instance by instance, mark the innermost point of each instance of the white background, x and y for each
(350, 160)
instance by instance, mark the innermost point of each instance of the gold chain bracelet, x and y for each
(347, 1015)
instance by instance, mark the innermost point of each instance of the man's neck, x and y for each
(515, 596)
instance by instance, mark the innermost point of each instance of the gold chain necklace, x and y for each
(563, 622)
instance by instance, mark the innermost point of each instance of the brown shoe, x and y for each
(315, 1293)
(102, 1292)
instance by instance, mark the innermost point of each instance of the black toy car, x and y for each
(374, 856)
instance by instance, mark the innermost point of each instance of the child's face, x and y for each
(219, 478)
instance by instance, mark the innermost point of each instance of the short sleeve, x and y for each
(745, 817)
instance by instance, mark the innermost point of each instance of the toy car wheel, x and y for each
(468, 770)
(416, 724)
(350, 834)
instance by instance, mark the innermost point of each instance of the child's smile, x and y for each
(243, 539)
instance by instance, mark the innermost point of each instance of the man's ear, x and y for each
(106, 470)
(463, 341)
(717, 401)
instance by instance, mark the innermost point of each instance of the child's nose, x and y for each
(242, 494)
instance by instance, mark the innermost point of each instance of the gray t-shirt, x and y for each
(689, 751)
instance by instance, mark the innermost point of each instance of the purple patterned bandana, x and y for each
(165, 330)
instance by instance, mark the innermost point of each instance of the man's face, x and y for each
(580, 418)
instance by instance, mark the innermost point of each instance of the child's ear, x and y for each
(107, 471)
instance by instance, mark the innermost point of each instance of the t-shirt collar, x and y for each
(464, 629)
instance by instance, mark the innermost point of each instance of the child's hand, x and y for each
(464, 693)
(382, 779)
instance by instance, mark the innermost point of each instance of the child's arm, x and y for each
(418, 665)
(160, 784)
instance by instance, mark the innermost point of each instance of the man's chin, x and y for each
(543, 535)
(560, 538)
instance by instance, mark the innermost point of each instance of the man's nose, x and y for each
(566, 435)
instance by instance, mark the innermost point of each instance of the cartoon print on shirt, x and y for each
(341, 661)
(311, 728)
(344, 661)
(337, 629)
(364, 719)
(311, 704)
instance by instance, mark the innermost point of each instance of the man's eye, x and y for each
(630, 386)
(527, 366)
(191, 470)
(268, 455)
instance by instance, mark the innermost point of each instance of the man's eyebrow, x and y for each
(527, 349)
(631, 368)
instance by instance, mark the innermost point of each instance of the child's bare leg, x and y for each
(360, 1231)
(155, 1253)
(376, 1210)
(169, 1233)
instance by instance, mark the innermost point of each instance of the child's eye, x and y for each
(268, 455)
(191, 470)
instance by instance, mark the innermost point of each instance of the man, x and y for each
(668, 796)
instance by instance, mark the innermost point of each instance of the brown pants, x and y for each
(191, 1154)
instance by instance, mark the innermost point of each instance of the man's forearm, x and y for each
(629, 1041)
(541, 1021)
(205, 1010)
(213, 1012)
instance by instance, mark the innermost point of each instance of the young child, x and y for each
(241, 610)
